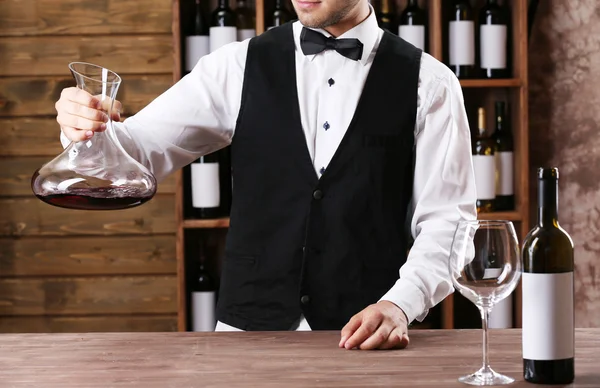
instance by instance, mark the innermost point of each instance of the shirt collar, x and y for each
(368, 32)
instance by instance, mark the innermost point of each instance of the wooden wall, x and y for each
(65, 270)
(564, 101)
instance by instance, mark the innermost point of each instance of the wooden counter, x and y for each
(276, 359)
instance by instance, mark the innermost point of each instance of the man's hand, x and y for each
(380, 326)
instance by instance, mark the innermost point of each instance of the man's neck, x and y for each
(356, 16)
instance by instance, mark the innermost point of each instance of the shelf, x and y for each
(206, 224)
(490, 83)
(508, 216)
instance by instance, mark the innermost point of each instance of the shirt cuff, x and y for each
(409, 298)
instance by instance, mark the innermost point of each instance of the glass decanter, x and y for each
(95, 174)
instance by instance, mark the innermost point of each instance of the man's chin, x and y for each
(310, 22)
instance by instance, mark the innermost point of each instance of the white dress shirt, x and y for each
(198, 114)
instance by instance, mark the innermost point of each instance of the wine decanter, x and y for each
(95, 174)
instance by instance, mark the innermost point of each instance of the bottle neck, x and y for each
(548, 202)
(223, 3)
(413, 3)
(386, 6)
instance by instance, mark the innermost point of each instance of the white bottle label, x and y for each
(196, 46)
(205, 185)
(485, 176)
(548, 317)
(414, 35)
(492, 46)
(501, 314)
(220, 36)
(203, 311)
(504, 168)
(246, 33)
(462, 43)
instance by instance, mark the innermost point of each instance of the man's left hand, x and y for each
(382, 325)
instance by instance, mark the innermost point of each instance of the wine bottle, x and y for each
(493, 32)
(484, 165)
(548, 294)
(206, 186)
(461, 42)
(500, 316)
(204, 297)
(413, 25)
(279, 15)
(386, 16)
(504, 154)
(246, 25)
(222, 27)
(197, 41)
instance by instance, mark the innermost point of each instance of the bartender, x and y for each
(349, 148)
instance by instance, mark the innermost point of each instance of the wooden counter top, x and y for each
(277, 359)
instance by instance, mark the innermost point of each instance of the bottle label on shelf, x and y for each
(246, 33)
(493, 46)
(462, 42)
(203, 311)
(414, 35)
(548, 317)
(485, 176)
(196, 46)
(501, 316)
(504, 168)
(205, 185)
(220, 36)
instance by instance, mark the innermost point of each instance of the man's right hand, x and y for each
(80, 114)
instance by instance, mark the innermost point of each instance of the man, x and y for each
(335, 144)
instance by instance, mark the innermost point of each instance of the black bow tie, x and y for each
(313, 42)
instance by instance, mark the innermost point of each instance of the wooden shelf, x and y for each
(206, 224)
(508, 216)
(491, 83)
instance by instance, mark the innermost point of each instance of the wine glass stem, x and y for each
(485, 314)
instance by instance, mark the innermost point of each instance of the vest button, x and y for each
(317, 194)
(305, 299)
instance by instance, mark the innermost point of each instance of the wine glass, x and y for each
(485, 267)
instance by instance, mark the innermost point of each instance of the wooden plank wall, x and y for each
(65, 270)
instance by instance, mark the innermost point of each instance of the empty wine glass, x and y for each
(485, 267)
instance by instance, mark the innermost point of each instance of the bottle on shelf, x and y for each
(246, 22)
(413, 25)
(493, 40)
(501, 315)
(223, 28)
(504, 154)
(279, 15)
(206, 185)
(461, 40)
(204, 296)
(548, 296)
(386, 16)
(484, 165)
(197, 40)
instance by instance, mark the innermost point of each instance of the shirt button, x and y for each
(305, 299)
(317, 194)
(326, 126)
(322, 170)
(331, 82)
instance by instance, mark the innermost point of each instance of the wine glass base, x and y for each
(486, 377)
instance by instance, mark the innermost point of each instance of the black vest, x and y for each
(323, 247)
